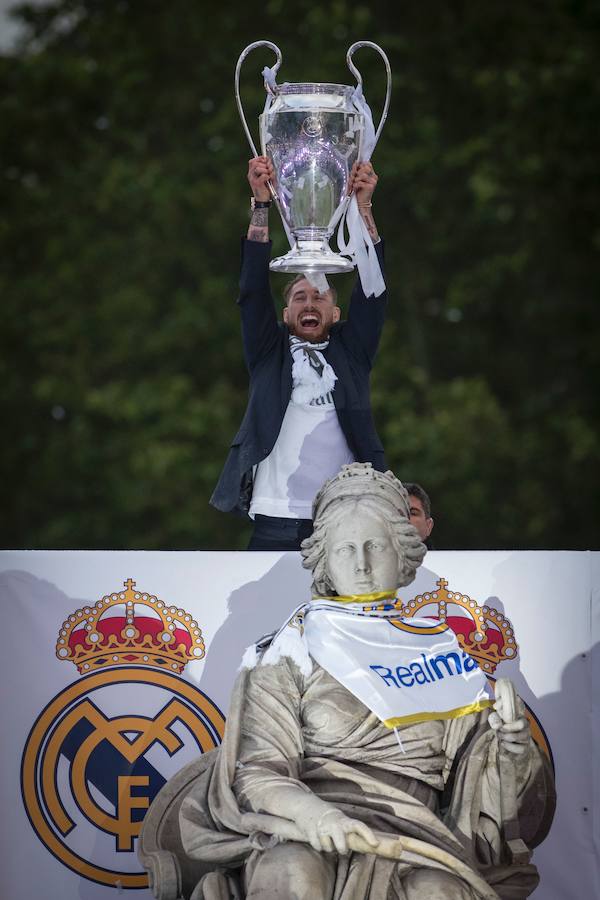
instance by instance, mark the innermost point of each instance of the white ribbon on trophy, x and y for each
(360, 247)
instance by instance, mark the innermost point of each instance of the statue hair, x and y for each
(404, 537)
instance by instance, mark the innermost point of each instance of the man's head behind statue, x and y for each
(362, 541)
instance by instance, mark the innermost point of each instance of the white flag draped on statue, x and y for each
(403, 670)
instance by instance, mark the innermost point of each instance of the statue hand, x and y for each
(334, 827)
(513, 736)
(508, 720)
(326, 828)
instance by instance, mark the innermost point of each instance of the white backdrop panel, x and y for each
(552, 599)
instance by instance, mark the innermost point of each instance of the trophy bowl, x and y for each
(312, 133)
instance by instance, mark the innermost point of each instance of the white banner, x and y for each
(405, 670)
(84, 750)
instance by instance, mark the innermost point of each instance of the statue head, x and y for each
(362, 540)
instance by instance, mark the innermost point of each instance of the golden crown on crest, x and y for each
(482, 632)
(130, 627)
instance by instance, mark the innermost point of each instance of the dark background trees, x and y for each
(122, 196)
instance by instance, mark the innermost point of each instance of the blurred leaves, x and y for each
(122, 196)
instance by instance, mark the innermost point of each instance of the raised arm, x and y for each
(363, 182)
(259, 319)
(260, 171)
(362, 331)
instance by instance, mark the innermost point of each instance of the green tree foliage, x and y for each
(123, 194)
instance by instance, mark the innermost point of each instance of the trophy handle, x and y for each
(243, 56)
(351, 51)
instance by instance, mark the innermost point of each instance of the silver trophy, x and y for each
(313, 133)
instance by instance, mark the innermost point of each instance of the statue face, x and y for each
(361, 558)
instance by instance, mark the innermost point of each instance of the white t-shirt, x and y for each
(310, 448)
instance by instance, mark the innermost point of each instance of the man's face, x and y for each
(309, 314)
(422, 523)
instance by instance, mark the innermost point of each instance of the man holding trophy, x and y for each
(309, 408)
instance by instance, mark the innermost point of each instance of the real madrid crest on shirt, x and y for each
(98, 754)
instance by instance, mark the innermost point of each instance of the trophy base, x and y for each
(311, 256)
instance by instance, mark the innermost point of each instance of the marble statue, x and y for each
(314, 795)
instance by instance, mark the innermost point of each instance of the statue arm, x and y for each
(268, 769)
(481, 767)
(270, 748)
(522, 776)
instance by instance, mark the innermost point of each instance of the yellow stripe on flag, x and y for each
(478, 706)
(361, 598)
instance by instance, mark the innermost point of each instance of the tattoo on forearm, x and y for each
(258, 229)
(371, 226)
(258, 234)
(260, 218)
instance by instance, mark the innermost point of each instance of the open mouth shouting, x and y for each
(310, 322)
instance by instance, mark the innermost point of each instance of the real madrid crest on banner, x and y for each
(98, 754)
(482, 631)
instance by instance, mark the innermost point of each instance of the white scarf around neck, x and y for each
(312, 375)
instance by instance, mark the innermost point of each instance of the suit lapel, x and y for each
(286, 374)
(344, 394)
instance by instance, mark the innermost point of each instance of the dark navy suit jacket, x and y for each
(351, 351)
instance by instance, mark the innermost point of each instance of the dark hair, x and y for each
(287, 290)
(417, 491)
